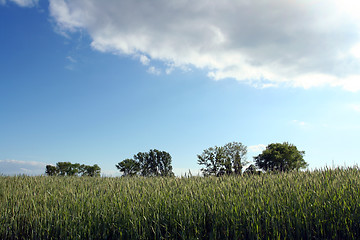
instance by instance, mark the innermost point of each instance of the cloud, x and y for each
(355, 107)
(71, 59)
(71, 63)
(15, 167)
(110, 173)
(144, 60)
(22, 3)
(257, 148)
(154, 70)
(262, 43)
(300, 123)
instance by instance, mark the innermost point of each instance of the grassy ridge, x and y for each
(306, 205)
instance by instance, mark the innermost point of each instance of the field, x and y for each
(322, 204)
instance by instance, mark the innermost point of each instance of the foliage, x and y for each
(90, 171)
(250, 170)
(228, 159)
(129, 167)
(147, 164)
(323, 204)
(51, 170)
(72, 169)
(281, 157)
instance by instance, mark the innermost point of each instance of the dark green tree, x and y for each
(213, 160)
(228, 159)
(251, 170)
(149, 164)
(72, 169)
(129, 167)
(236, 155)
(90, 171)
(281, 157)
(67, 168)
(51, 170)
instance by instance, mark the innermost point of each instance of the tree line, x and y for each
(73, 169)
(229, 159)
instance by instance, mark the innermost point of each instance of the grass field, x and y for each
(306, 205)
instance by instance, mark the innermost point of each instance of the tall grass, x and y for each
(322, 204)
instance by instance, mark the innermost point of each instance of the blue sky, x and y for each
(95, 82)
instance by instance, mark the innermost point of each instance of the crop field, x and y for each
(323, 204)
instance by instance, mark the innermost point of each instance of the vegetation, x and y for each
(251, 170)
(228, 159)
(281, 157)
(128, 167)
(72, 169)
(148, 164)
(295, 205)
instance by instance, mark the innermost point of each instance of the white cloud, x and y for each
(110, 173)
(22, 3)
(262, 43)
(154, 70)
(181, 172)
(144, 60)
(300, 123)
(355, 107)
(16, 167)
(71, 59)
(257, 148)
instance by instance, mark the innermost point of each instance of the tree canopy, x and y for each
(148, 164)
(72, 169)
(228, 159)
(281, 157)
(129, 167)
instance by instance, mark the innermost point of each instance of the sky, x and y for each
(95, 82)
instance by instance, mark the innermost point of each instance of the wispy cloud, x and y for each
(71, 59)
(261, 43)
(144, 60)
(71, 63)
(300, 123)
(110, 173)
(15, 167)
(355, 107)
(22, 3)
(154, 70)
(257, 148)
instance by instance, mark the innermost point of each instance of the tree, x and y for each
(236, 155)
(281, 157)
(51, 170)
(67, 168)
(228, 159)
(129, 167)
(90, 171)
(148, 164)
(251, 170)
(72, 169)
(212, 159)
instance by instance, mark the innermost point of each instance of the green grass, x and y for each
(306, 205)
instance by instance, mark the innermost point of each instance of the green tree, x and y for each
(51, 170)
(90, 171)
(148, 164)
(235, 157)
(129, 167)
(228, 159)
(67, 168)
(212, 159)
(281, 157)
(251, 170)
(72, 169)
